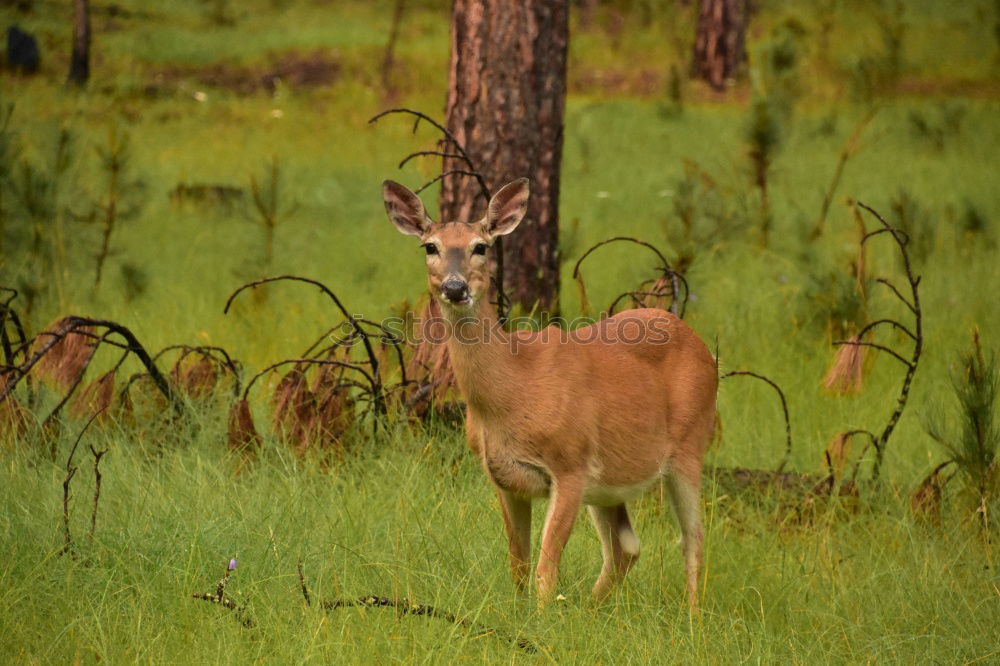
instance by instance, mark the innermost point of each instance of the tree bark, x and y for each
(506, 97)
(79, 66)
(719, 47)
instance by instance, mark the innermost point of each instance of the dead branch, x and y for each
(73, 324)
(302, 583)
(70, 473)
(850, 149)
(916, 333)
(309, 361)
(374, 378)
(675, 277)
(97, 486)
(784, 410)
(406, 607)
(219, 597)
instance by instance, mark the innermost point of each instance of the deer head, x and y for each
(458, 267)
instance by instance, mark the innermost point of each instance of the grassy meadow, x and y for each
(212, 93)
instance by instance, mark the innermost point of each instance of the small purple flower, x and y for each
(232, 564)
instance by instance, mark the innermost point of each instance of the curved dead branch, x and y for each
(784, 409)
(372, 358)
(915, 333)
(676, 279)
(71, 325)
(311, 361)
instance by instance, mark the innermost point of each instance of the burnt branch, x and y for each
(79, 378)
(302, 583)
(219, 597)
(406, 607)
(374, 377)
(442, 176)
(448, 137)
(892, 322)
(676, 279)
(131, 344)
(784, 409)
(70, 473)
(430, 153)
(311, 361)
(915, 333)
(209, 352)
(898, 294)
(873, 345)
(97, 487)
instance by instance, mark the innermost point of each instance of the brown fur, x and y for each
(580, 417)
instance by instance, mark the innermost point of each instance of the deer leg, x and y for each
(619, 544)
(564, 503)
(517, 522)
(684, 487)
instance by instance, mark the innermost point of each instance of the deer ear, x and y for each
(405, 209)
(507, 208)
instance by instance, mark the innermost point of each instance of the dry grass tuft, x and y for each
(837, 454)
(95, 398)
(68, 358)
(846, 375)
(197, 377)
(243, 435)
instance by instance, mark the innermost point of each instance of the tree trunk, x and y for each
(506, 96)
(79, 66)
(719, 44)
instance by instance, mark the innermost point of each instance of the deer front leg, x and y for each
(564, 504)
(517, 522)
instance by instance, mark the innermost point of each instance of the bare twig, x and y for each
(70, 473)
(374, 378)
(675, 278)
(784, 410)
(71, 325)
(97, 486)
(406, 607)
(873, 345)
(302, 583)
(916, 333)
(850, 149)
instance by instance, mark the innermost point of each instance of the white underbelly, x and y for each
(602, 495)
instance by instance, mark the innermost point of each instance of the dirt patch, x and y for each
(610, 82)
(297, 70)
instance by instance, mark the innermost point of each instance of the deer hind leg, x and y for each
(564, 503)
(619, 544)
(684, 487)
(517, 522)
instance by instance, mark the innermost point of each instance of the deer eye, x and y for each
(431, 248)
(479, 248)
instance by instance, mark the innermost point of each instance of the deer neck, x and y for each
(481, 356)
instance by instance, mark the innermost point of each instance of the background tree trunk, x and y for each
(79, 65)
(506, 96)
(719, 44)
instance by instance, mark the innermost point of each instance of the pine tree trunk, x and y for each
(79, 66)
(506, 96)
(719, 44)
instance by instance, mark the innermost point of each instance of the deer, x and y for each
(595, 416)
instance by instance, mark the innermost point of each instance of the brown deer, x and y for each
(593, 416)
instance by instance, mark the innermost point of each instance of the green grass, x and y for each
(403, 520)
(410, 513)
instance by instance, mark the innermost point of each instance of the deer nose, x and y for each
(455, 291)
